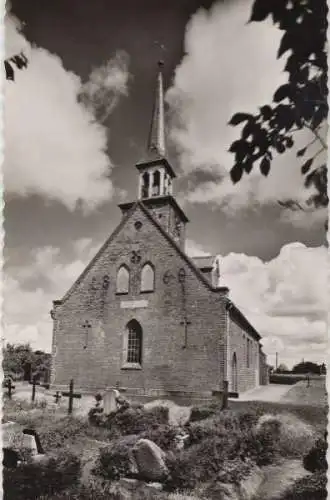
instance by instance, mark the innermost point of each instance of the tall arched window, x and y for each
(145, 185)
(156, 183)
(147, 278)
(134, 342)
(122, 280)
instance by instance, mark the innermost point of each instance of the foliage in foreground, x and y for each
(32, 480)
(316, 458)
(312, 487)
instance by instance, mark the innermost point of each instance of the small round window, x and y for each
(138, 225)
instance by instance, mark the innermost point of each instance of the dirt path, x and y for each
(278, 478)
(272, 393)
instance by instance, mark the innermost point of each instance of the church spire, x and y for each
(156, 142)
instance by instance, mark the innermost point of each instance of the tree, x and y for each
(19, 60)
(18, 360)
(306, 367)
(282, 368)
(299, 104)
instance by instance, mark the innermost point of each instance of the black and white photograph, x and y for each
(164, 250)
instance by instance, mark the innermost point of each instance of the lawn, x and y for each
(314, 394)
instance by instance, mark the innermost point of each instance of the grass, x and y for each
(315, 394)
(313, 415)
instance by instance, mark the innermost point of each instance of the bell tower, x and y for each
(156, 176)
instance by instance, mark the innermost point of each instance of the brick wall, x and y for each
(264, 369)
(166, 366)
(247, 376)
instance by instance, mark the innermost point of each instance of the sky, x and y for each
(77, 120)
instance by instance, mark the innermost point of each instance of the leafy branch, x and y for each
(300, 103)
(19, 60)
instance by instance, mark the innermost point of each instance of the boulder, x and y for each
(150, 460)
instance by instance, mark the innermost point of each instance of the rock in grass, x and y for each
(150, 460)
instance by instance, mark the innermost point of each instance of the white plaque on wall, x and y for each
(133, 304)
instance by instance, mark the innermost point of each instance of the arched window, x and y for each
(156, 183)
(134, 342)
(147, 278)
(122, 280)
(145, 185)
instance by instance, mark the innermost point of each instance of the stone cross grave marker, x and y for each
(71, 395)
(110, 401)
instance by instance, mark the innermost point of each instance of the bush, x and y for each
(316, 458)
(202, 412)
(294, 437)
(198, 431)
(311, 487)
(59, 432)
(164, 436)
(116, 460)
(203, 462)
(277, 378)
(138, 420)
(31, 480)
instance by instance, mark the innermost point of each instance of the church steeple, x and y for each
(156, 143)
(155, 173)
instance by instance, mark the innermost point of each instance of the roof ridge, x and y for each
(96, 256)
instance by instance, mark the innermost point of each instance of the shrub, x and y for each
(31, 480)
(198, 431)
(202, 462)
(164, 436)
(316, 458)
(294, 436)
(116, 460)
(311, 487)
(96, 416)
(262, 444)
(204, 411)
(136, 421)
(57, 433)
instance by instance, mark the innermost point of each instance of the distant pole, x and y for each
(276, 362)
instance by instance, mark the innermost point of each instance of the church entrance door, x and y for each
(234, 384)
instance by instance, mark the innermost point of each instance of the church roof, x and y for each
(241, 320)
(123, 222)
(155, 200)
(205, 262)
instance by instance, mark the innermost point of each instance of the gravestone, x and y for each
(16, 442)
(110, 401)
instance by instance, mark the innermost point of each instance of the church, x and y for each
(143, 316)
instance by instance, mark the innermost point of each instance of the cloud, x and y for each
(229, 66)
(29, 291)
(54, 146)
(193, 249)
(285, 299)
(106, 84)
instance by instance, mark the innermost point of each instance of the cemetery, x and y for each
(106, 446)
